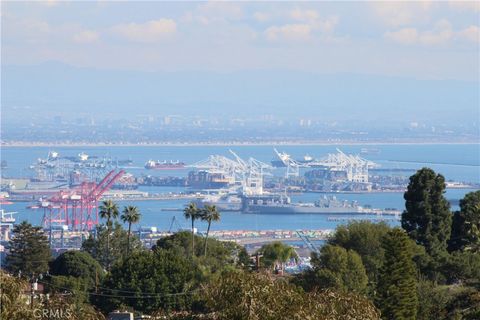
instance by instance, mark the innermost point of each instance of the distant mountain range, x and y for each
(54, 88)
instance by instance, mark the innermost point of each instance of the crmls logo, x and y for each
(52, 313)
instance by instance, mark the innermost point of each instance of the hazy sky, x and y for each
(374, 61)
(423, 40)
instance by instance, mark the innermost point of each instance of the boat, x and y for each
(369, 151)
(7, 217)
(164, 165)
(325, 205)
(82, 156)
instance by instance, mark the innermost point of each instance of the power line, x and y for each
(142, 296)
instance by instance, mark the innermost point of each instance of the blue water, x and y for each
(455, 162)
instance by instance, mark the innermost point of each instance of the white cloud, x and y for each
(311, 25)
(409, 36)
(441, 34)
(49, 3)
(214, 11)
(401, 13)
(304, 14)
(147, 32)
(261, 16)
(86, 36)
(327, 25)
(294, 32)
(471, 33)
(403, 36)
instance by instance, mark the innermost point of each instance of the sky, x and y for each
(411, 41)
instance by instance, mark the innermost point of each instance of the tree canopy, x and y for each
(148, 281)
(466, 224)
(397, 287)
(427, 218)
(98, 245)
(78, 264)
(365, 238)
(29, 251)
(220, 254)
(275, 254)
(338, 268)
(239, 295)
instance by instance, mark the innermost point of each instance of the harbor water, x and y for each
(457, 162)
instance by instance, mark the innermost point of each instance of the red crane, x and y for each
(78, 207)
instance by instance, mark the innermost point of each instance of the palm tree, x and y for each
(109, 211)
(130, 215)
(209, 214)
(193, 213)
(277, 253)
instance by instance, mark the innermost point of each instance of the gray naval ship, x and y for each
(281, 204)
(275, 203)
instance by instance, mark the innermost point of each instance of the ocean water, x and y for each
(459, 162)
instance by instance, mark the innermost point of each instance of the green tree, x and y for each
(433, 300)
(462, 266)
(109, 211)
(427, 218)
(365, 238)
(193, 213)
(245, 296)
(209, 214)
(78, 264)
(130, 215)
(397, 288)
(466, 224)
(12, 305)
(29, 251)
(340, 268)
(96, 245)
(276, 253)
(149, 280)
(220, 255)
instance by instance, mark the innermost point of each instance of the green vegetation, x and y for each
(363, 268)
(130, 215)
(193, 213)
(80, 265)
(109, 211)
(12, 303)
(209, 214)
(29, 252)
(397, 287)
(337, 268)
(98, 245)
(427, 218)
(364, 238)
(239, 295)
(275, 254)
(148, 281)
(466, 224)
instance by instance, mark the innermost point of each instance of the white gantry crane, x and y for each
(293, 166)
(355, 167)
(253, 172)
(246, 174)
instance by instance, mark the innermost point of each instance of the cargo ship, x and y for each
(281, 204)
(164, 165)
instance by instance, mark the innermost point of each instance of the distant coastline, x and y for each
(17, 144)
